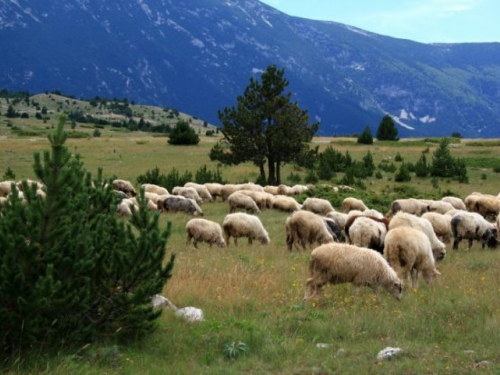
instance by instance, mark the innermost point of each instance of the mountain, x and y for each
(198, 55)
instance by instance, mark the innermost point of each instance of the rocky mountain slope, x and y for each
(198, 55)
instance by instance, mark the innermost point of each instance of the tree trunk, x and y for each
(272, 172)
(278, 172)
(262, 172)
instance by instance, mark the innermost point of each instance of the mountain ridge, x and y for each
(198, 55)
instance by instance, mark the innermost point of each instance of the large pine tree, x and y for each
(70, 269)
(265, 126)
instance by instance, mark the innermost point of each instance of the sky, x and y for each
(425, 21)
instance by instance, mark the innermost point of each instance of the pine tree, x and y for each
(443, 163)
(366, 138)
(70, 270)
(183, 134)
(421, 167)
(387, 130)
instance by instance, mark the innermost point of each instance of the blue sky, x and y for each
(426, 21)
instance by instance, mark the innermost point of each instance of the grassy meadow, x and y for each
(256, 322)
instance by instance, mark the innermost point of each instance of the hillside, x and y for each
(198, 55)
(116, 115)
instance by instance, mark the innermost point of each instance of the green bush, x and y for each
(169, 181)
(366, 137)
(183, 134)
(71, 270)
(403, 175)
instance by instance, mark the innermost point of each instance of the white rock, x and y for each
(322, 346)
(388, 353)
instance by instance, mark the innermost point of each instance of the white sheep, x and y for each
(472, 226)
(187, 192)
(30, 183)
(367, 232)
(202, 191)
(6, 187)
(239, 200)
(470, 200)
(285, 190)
(409, 250)
(271, 189)
(299, 189)
(337, 263)
(441, 225)
(201, 230)
(350, 203)
(411, 206)
(285, 203)
(152, 188)
(319, 206)
(214, 188)
(455, 202)
(424, 225)
(486, 206)
(125, 186)
(440, 207)
(229, 189)
(261, 198)
(124, 208)
(305, 227)
(241, 224)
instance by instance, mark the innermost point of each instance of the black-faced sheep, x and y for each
(201, 230)
(336, 263)
(181, 204)
(334, 229)
(367, 231)
(441, 225)
(403, 219)
(305, 227)
(125, 186)
(472, 226)
(339, 217)
(318, 206)
(241, 224)
(239, 200)
(411, 206)
(409, 249)
(350, 203)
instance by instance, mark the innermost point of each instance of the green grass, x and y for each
(253, 294)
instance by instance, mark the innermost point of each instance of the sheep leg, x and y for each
(250, 240)
(235, 241)
(195, 243)
(471, 240)
(414, 278)
(188, 242)
(456, 241)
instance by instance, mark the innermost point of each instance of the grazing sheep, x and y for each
(350, 203)
(285, 190)
(455, 202)
(241, 224)
(6, 187)
(152, 188)
(201, 230)
(124, 208)
(441, 225)
(334, 229)
(339, 263)
(181, 204)
(424, 225)
(271, 189)
(305, 227)
(486, 206)
(238, 200)
(339, 217)
(121, 194)
(251, 186)
(299, 189)
(367, 231)
(440, 207)
(187, 192)
(470, 200)
(229, 189)
(3, 200)
(409, 249)
(373, 213)
(124, 186)
(261, 198)
(214, 189)
(472, 226)
(318, 206)
(411, 206)
(285, 203)
(202, 191)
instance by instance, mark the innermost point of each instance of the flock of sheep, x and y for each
(384, 251)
